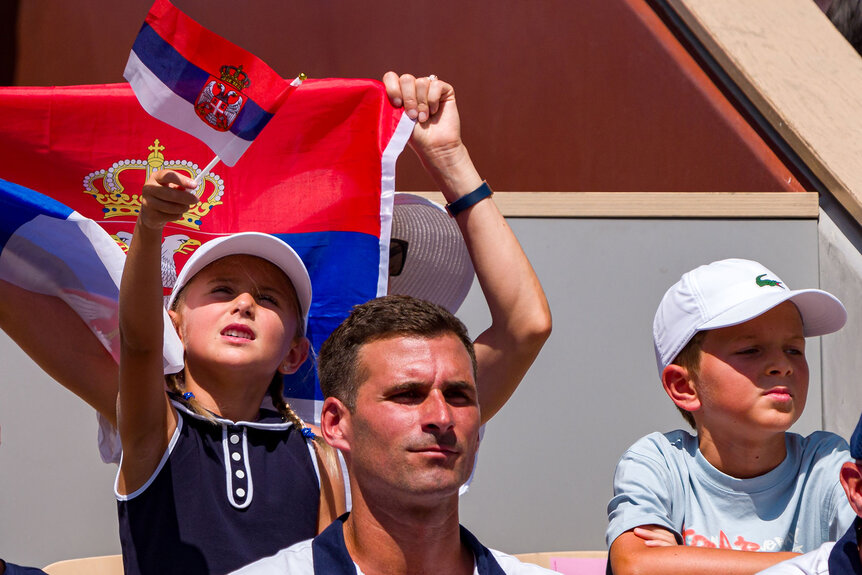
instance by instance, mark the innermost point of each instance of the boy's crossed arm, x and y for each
(651, 549)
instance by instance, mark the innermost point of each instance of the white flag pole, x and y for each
(200, 177)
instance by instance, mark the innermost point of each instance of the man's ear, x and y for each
(296, 356)
(851, 481)
(680, 387)
(335, 424)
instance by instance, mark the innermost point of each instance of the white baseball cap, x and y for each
(437, 265)
(264, 246)
(730, 292)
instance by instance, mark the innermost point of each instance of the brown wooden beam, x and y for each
(741, 205)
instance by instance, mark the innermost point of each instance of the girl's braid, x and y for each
(176, 383)
(281, 404)
(324, 451)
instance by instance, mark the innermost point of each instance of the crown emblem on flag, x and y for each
(234, 76)
(107, 187)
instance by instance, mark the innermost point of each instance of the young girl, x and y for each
(208, 480)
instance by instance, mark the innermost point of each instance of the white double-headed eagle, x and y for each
(218, 104)
(171, 245)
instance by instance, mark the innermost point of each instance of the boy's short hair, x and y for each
(381, 318)
(730, 292)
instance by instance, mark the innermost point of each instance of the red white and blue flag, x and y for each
(197, 81)
(322, 178)
(48, 248)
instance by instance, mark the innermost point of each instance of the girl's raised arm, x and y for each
(145, 419)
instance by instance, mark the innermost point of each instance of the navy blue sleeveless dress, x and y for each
(224, 495)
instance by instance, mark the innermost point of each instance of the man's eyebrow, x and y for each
(405, 386)
(460, 385)
(414, 385)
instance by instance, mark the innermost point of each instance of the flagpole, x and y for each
(200, 177)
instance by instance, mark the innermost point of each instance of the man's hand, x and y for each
(166, 195)
(437, 134)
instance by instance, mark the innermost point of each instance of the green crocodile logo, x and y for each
(766, 282)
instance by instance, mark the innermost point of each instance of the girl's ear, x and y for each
(296, 356)
(680, 387)
(175, 319)
(335, 424)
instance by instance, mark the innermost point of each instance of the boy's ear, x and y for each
(680, 387)
(296, 356)
(851, 481)
(335, 424)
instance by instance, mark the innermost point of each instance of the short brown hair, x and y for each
(689, 358)
(381, 318)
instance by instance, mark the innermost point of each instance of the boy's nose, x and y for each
(780, 364)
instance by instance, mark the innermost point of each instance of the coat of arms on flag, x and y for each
(221, 100)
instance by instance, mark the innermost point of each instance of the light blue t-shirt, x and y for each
(663, 479)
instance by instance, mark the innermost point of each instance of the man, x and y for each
(845, 556)
(399, 377)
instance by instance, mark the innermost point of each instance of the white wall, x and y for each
(56, 498)
(841, 274)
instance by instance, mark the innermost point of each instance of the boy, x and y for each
(844, 557)
(730, 346)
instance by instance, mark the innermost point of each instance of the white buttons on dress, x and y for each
(240, 473)
(234, 439)
(235, 456)
(240, 492)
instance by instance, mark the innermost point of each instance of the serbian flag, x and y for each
(48, 248)
(322, 179)
(197, 81)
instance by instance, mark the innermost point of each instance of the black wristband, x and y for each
(471, 199)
